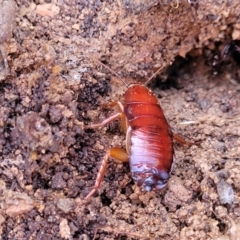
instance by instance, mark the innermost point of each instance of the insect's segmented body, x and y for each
(149, 138)
(149, 147)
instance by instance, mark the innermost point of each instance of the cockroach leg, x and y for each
(124, 123)
(113, 104)
(117, 153)
(109, 105)
(99, 177)
(121, 109)
(105, 121)
(110, 119)
(181, 140)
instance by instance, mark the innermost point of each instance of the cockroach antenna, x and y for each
(108, 68)
(153, 76)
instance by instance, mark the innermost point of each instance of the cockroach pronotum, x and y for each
(149, 145)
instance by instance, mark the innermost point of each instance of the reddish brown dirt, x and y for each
(48, 162)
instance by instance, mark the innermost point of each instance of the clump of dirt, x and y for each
(56, 85)
(7, 17)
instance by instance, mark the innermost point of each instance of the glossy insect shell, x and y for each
(149, 138)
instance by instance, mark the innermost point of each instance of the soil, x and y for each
(58, 58)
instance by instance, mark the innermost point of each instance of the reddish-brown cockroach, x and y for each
(149, 145)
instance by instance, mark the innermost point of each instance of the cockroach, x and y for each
(149, 139)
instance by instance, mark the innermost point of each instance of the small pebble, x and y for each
(225, 192)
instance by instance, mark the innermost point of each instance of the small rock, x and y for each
(64, 229)
(17, 203)
(138, 6)
(34, 131)
(67, 97)
(177, 193)
(58, 182)
(223, 237)
(236, 34)
(84, 237)
(205, 104)
(55, 113)
(65, 204)
(2, 220)
(56, 144)
(7, 16)
(225, 192)
(47, 10)
(179, 190)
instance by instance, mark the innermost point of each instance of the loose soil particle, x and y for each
(49, 162)
(7, 16)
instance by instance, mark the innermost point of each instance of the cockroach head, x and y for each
(150, 178)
